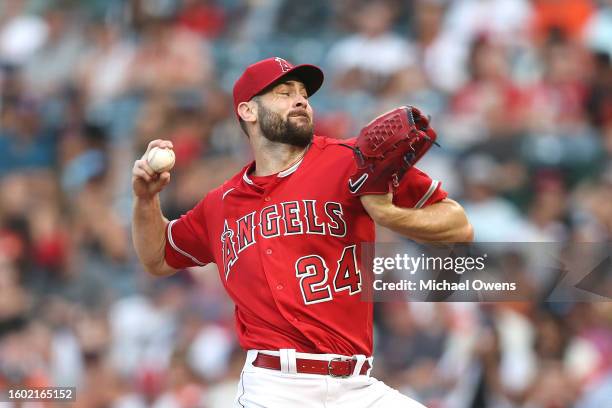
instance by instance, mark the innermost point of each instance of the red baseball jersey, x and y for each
(288, 250)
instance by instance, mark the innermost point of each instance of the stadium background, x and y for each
(520, 93)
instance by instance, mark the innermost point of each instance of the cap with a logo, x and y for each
(262, 74)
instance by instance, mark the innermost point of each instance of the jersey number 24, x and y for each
(314, 274)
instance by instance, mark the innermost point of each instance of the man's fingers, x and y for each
(164, 144)
(159, 182)
(142, 163)
(140, 173)
(143, 170)
(164, 178)
(153, 143)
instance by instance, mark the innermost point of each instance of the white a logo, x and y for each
(285, 66)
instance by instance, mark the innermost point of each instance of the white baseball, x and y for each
(160, 160)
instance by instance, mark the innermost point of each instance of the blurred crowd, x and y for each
(520, 92)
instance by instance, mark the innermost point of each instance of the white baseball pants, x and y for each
(265, 388)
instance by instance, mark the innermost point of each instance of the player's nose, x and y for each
(300, 101)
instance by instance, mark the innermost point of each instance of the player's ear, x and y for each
(248, 111)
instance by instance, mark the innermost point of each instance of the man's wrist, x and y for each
(147, 202)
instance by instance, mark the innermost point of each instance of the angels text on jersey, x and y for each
(278, 220)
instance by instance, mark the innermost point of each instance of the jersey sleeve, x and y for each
(417, 190)
(187, 242)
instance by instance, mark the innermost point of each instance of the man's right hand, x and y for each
(146, 183)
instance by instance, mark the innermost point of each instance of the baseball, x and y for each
(160, 160)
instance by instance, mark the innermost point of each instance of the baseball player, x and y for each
(286, 233)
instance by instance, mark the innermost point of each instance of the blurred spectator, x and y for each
(52, 67)
(95, 222)
(558, 100)
(494, 218)
(489, 105)
(505, 21)
(103, 69)
(594, 219)
(548, 210)
(21, 33)
(598, 30)
(569, 17)
(297, 21)
(169, 58)
(183, 390)
(599, 102)
(410, 345)
(559, 131)
(442, 54)
(86, 157)
(222, 394)
(204, 17)
(370, 59)
(25, 142)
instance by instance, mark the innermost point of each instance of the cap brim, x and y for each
(310, 75)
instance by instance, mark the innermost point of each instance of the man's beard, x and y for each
(276, 129)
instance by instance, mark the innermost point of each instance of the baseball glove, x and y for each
(387, 147)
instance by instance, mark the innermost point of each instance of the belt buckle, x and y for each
(329, 367)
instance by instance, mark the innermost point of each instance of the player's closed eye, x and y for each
(288, 93)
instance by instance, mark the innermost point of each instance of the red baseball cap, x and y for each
(262, 74)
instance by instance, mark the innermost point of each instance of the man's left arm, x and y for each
(387, 149)
(443, 221)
